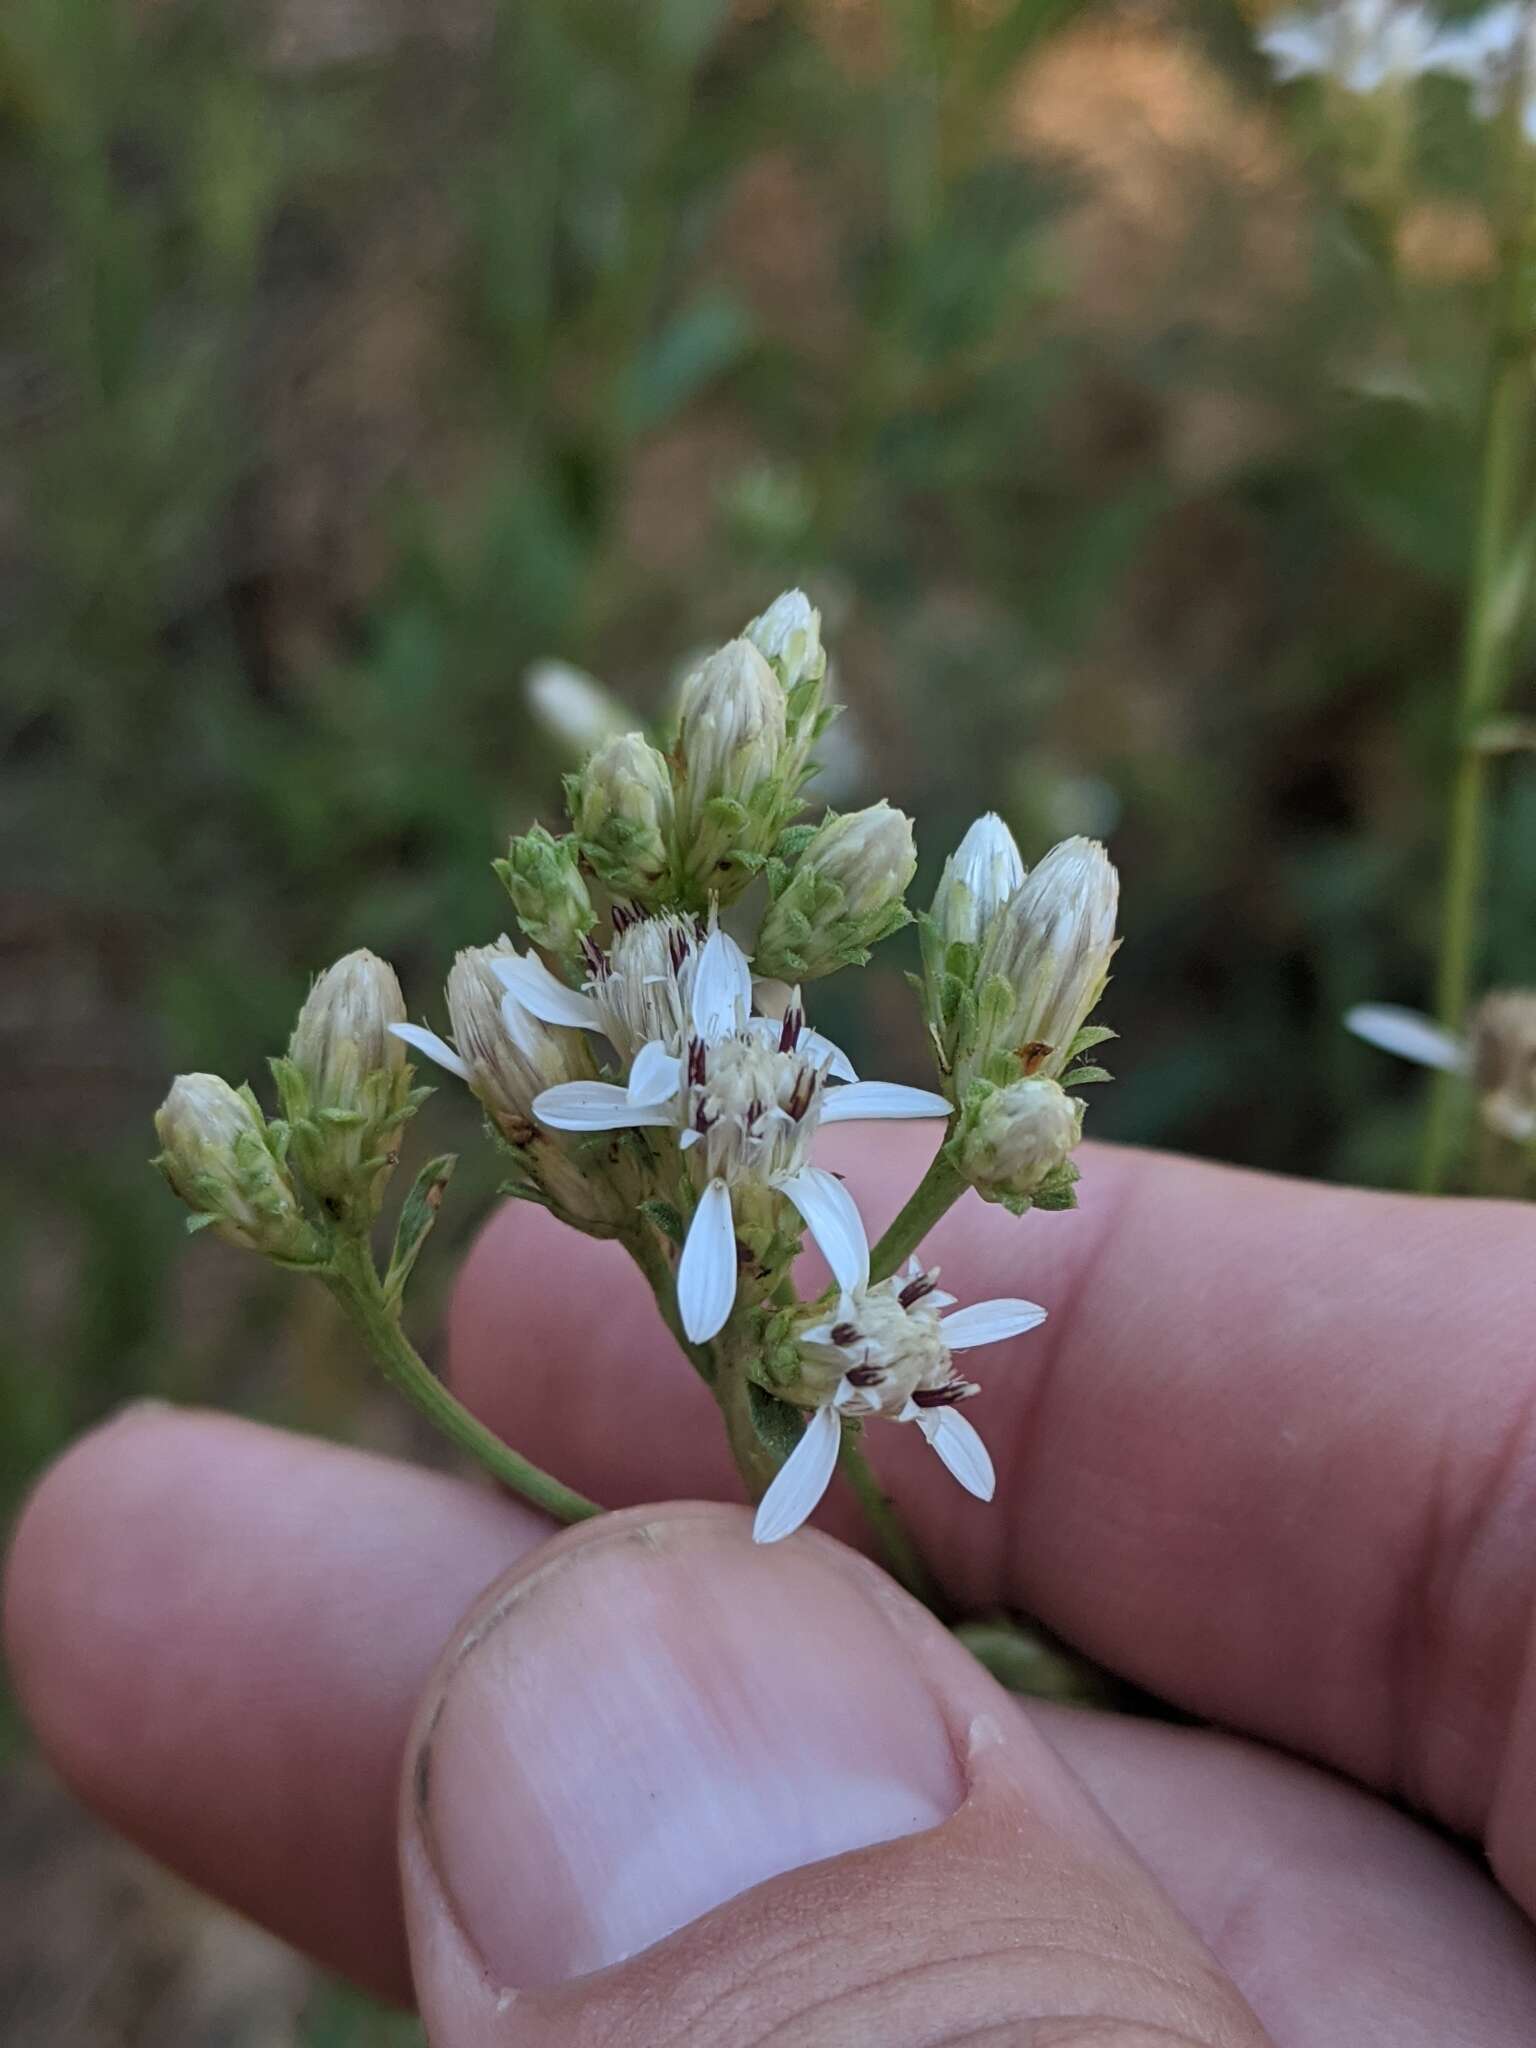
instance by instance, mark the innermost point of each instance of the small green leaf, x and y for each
(1081, 1076)
(417, 1217)
(1059, 1189)
(665, 1217)
(1086, 1039)
(779, 1424)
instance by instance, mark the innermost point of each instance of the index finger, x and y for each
(1272, 1455)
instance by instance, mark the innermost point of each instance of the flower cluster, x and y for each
(646, 1060)
(1375, 46)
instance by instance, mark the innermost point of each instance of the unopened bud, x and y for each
(731, 795)
(1011, 1140)
(1503, 1037)
(509, 1055)
(978, 879)
(845, 893)
(622, 810)
(342, 1034)
(219, 1157)
(788, 635)
(346, 1087)
(1044, 965)
(547, 890)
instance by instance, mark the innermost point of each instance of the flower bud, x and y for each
(547, 890)
(343, 1033)
(788, 635)
(731, 797)
(622, 810)
(509, 1055)
(844, 894)
(1043, 966)
(1503, 1038)
(217, 1154)
(978, 879)
(1013, 1139)
(346, 1087)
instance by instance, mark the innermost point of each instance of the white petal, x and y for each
(963, 1452)
(989, 1322)
(706, 1273)
(833, 1219)
(594, 1106)
(832, 1057)
(801, 1480)
(722, 987)
(819, 1333)
(1296, 46)
(771, 997)
(938, 1299)
(687, 1138)
(434, 1047)
(880, 1099)
(1409, 1035)
(654, 1076)
(525, 976)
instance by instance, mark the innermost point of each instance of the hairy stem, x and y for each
(754, 1460)
(898, 1547)
(938, 1190)
(354, 1281)
(642, 1246)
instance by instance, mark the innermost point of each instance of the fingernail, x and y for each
(659, 1718)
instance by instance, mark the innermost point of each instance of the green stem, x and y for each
(642, 1246)
(1494, 614)
(754, 1460)
(354, 1281)
(903, 1559)
(938, 1190)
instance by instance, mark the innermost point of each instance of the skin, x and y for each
(1273, 1456)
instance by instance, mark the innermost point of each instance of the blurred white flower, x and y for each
(573, 707)
(1498, 1053)
(1490, 52)
(1363, 45)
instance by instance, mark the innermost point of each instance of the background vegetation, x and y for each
(355, 354)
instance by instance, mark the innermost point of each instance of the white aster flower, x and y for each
(1497, 1054)
(893, 1355)
(1363, 45)
(745, 1095)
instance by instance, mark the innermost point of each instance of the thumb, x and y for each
(669, 1786)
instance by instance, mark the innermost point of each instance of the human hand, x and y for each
(1273, 1456)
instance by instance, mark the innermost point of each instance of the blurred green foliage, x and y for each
(353, 357)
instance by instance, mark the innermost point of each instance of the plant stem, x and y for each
(354, 1281)
(940, 1187)
(1487, 659)
(643, 1248)
(1495, 610)
(754, 1460)
(903, 1559)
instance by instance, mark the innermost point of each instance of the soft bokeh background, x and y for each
(356, 353)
